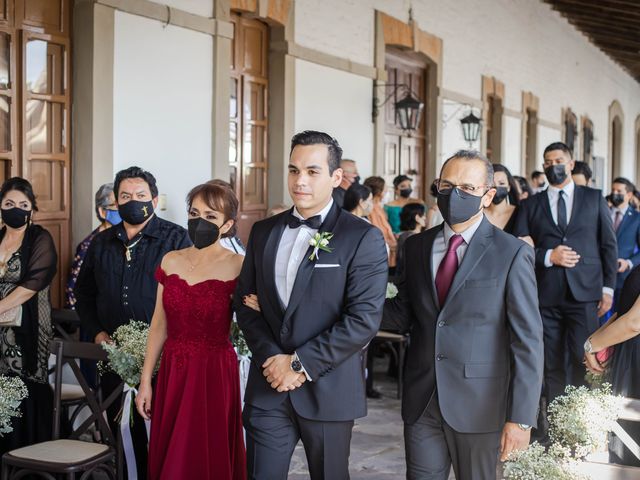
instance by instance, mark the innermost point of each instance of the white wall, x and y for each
(340, 104)
(511, 148)
(523, 43)
(162, 105)
(203, 8)
(452, 137)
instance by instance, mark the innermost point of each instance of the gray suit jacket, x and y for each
(483, 350)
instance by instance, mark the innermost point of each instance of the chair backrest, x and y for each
(68, 353)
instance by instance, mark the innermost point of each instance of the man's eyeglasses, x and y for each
(445, 188)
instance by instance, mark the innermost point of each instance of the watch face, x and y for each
(296, 366)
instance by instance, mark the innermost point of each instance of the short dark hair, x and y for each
(558, 146)
(524, 185)
(535, 174)
(399, 179)
(135, 172)
(219, 198)
(354, 195)
(513, 193)
(469, 155)
(408, 215)
(376, 184)
(21, 185)
(313, 137)
(582, 168)
(626, 182)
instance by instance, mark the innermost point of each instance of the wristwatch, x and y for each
(588, 348)
(524, 426)
(296, 366)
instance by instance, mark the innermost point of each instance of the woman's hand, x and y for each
(592, 363)
(251, 301)
(143, 400)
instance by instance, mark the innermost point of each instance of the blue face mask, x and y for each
(113, 217)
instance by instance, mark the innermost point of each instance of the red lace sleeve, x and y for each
(160, 275)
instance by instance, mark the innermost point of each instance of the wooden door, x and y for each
(35, 113)
(404, 152)
(249, 120)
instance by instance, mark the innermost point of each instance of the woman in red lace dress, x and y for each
(196, 426)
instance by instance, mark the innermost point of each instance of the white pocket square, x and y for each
(326, 265)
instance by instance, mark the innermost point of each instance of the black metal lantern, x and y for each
(409, 112)
(470, 127)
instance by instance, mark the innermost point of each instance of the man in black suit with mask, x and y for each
(576, 264)
(319, 307)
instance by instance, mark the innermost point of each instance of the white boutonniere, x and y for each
(320, 241)
(392, 290)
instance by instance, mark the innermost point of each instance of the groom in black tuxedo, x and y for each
(319, 309)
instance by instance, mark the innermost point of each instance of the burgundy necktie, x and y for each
(447, 269)
(617, 221)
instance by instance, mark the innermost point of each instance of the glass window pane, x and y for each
(45, 127)
(5, 57)
(5, 124)
(233, 110)
(253, 183)
(233, 151)
(45, 67)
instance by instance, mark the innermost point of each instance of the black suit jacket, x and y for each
(335, 309)
(483, 350)
(590, 233)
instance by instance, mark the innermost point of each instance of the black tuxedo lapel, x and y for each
(578, 200)
(426, 261)
(269, 265)
(546, 207)
(306, 267)
(475, 251)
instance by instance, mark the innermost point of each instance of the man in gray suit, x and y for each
(474, 367)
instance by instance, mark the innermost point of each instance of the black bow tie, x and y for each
(311, 222)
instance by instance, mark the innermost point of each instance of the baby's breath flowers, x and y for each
(12, 392)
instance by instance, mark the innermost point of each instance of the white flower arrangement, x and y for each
(581, 418)
(126, 353)
(536, 464)
(238, 340)
(12, 392)
(392, 290)
(320, 241)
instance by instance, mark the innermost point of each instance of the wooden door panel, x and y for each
(60, 233)
(50, 15)
(404, 153)
(46, 112)
(254, 54)
(248, 140)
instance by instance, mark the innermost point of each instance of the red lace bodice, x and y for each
(199, 315)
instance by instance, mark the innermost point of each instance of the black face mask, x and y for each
(15, 217)
(135, 212)
(356, 179)
(556, 174)
(202, 233)
(617, 199)
(501, 194)
(406, 192)
(457, 206)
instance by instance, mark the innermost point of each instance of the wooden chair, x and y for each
(70, 456)
(401, 342)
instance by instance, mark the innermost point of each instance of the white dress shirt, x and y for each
(441, 244)
(292, 249)
(554, 194)
(293, 246)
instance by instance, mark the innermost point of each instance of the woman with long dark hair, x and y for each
(504, 208)
(28, 262)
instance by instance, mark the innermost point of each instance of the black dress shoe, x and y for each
(372, 393)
